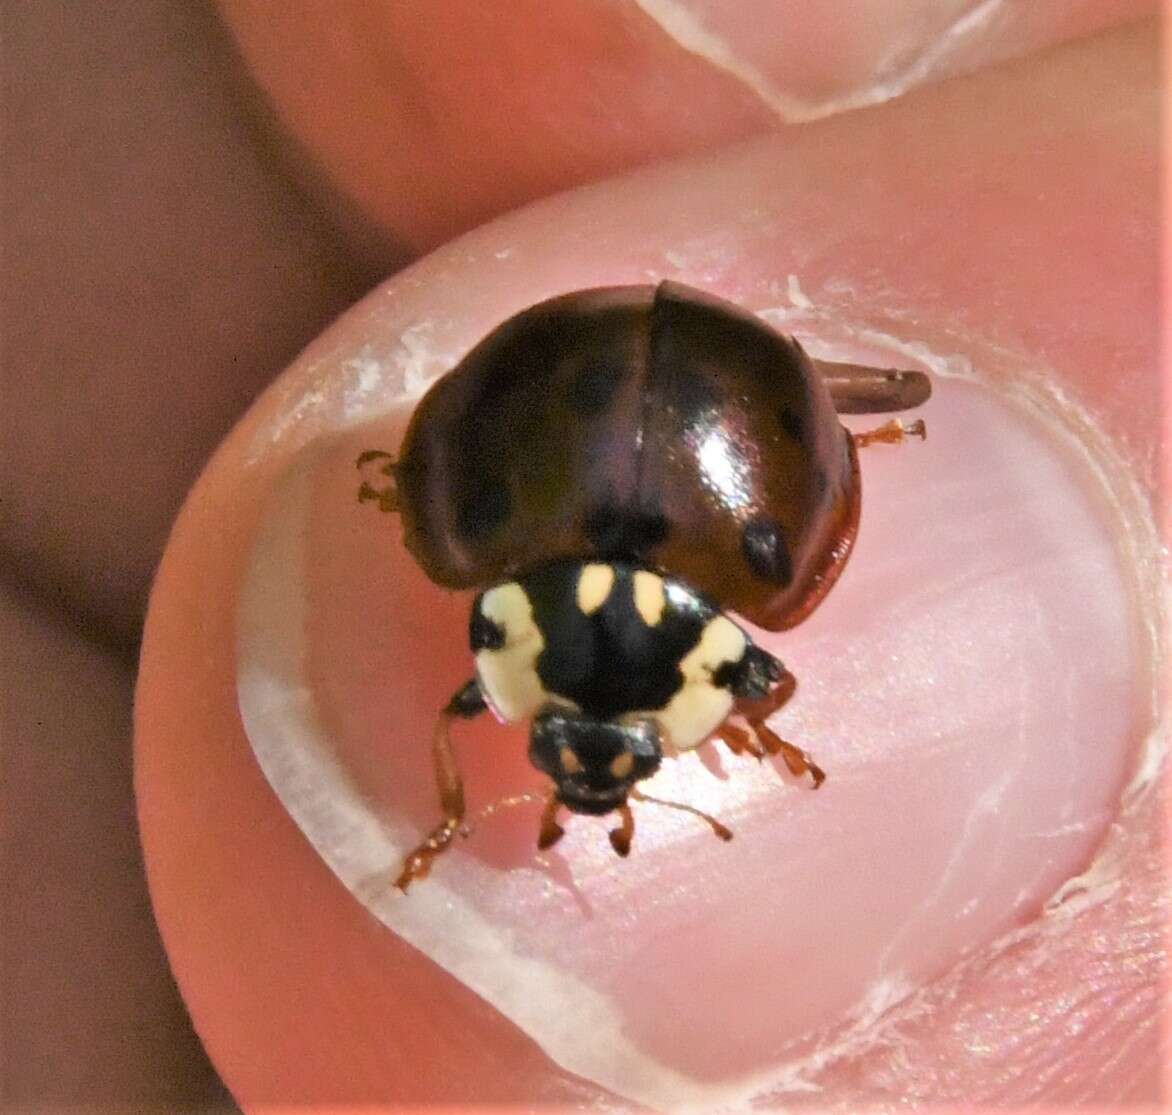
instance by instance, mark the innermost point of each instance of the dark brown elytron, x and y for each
(622, 440)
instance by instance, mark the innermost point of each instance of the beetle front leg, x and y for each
(739, 741)
(467, 703)
(797, 760)
(550, 832)
(620, 838)
(373, 465)
(756, 710)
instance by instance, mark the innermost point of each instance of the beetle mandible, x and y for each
(616, 470)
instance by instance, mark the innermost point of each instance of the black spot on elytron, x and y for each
(484, 633)
(793, 425)
(820, 482)
(482, 510)
(593, 388)
(694, 393)
(765, 549)
(620, 532)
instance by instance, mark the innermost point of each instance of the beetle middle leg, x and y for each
(375, 464)
(467, 703)
(891, 433)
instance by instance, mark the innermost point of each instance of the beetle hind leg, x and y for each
(376, 467)
(860, 389)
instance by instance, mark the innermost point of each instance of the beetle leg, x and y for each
(386, 495)
(550, 832)
(738, 741)
(756, 711)
(723, 831)
(620, 838)
(892, 432)
(761, 708)
(858, 389)
(797, 760)
(467, 703)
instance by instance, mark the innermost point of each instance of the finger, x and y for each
(157, 273)
(389, 99)
(91, 1016)
(978, 686)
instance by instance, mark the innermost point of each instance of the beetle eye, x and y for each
(622, 766)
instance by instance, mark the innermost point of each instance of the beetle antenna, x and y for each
(723, 831)
(386, 495)
(510, 802)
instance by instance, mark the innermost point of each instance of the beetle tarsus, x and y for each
(385, 495)
(891, 433)
(418, 864)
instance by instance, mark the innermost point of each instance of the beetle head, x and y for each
(594, 763)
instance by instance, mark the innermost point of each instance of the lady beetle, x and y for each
(616, 469)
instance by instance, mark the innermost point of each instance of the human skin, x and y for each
(157, 270)
(140, 315)
(261, 933)
(491, 106)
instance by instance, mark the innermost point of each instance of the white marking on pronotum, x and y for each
(722, 641)
(650, 599)
(508, 675)
(594, 585)
(699, 707)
